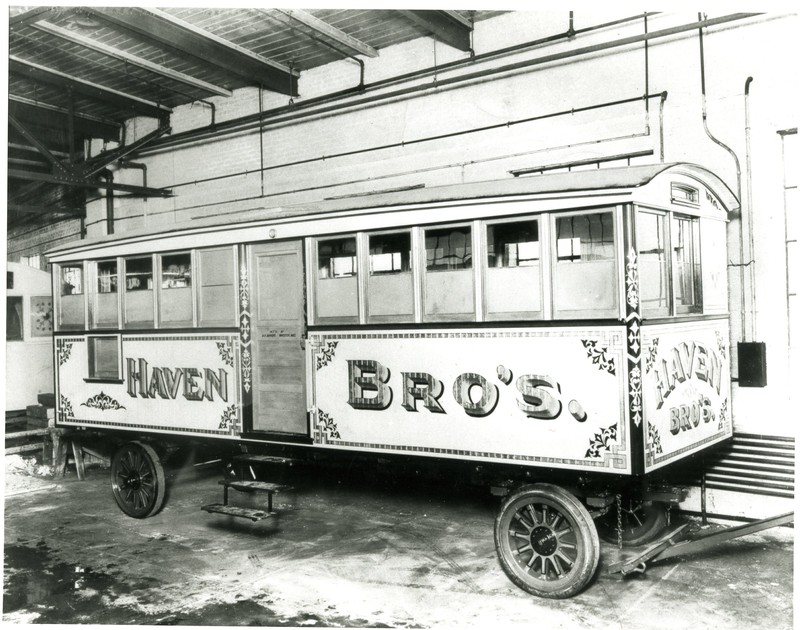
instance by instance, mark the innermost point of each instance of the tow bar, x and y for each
(674, 544)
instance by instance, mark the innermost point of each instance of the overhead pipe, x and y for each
(138, 165)
(295, 112)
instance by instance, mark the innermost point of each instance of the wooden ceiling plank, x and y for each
(448, 26)
(116, 53)
(31, 16)
(40, 147)
(338, 36)
(170, 31)
(93, 90)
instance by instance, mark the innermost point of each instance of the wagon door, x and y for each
(279, 400)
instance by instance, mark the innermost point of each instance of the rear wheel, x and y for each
(137, 480)
(546, 541)
(640, 522)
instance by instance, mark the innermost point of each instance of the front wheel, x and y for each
(137, 480)
(546, 541)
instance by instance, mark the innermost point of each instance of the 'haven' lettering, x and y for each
(165, 383)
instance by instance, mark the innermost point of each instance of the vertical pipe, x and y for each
(646, 78)
(738, 177)
(661, 125)
(749, 176)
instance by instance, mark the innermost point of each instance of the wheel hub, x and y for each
(544, 541)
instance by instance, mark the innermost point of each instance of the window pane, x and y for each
(103, 357)
(41, 316)
(175, 307)
(585, 273)
(389, 253)
(448, 249)
(513, 244)
(513, 275)
(139, 274)
(176, 271)
(217, 299)
(686, 264)
(71, 280)
(337, 258)
(653, 278)
(337, 289)
(107, 276)
(13, 318)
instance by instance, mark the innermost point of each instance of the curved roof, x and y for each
(621, 179)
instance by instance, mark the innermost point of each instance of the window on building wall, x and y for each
(390, 287)
(107, 296)
(513, 269)
(139, 292)
(217, 293)
(71, 301)
(104, 358)
(176, 303)
(449, 282)
(14, 318)
(686, 264)
(584, 275)
(653, 271)
(41, 316)
(337, 279)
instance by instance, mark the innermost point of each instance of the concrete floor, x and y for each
(354, 553)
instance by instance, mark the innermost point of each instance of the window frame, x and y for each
(94, 297)
(667, 235)
(58, 325)
(544, 269)
(90, 337)
(413, 273)
(314, 279)
(198, 287)
(159, 299)
(124, 307)
(617, 310)
(474, 270)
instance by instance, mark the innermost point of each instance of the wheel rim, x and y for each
(136, 482)
(639, 522)
(543, 541)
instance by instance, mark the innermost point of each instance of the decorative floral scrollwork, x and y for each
(326, 427)
(244, 288)
(723, 415)
(64, 350)
(229, 418)
(652, 353)
(635, 395)
(325, 354)
(654, 438)
(721, 344)
(632, 280)
(601, 442)
(65, 407)
(247, 368)
(102, 402)
(225, 352)
(599, 356)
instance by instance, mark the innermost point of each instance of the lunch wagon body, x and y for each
(568, 331)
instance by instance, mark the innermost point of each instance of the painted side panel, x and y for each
(686, 389)
(170, 383)
(551, 397)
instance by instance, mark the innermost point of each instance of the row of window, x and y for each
(560, 266)
(180, 289)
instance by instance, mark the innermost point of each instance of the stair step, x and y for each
(239, 512)
(24, 434)
(266, 486)
(263, 459)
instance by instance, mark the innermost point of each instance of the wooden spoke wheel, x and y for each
(640, 522)
(137, 480)
(546, 541)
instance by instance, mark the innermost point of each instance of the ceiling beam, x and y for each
(80, 182)
(188, 39)
(46, 115)
(61, 166)
(449, 26)
(99, 162)
(134, 60)
(31, 16)
(30, 149)
(95, 91)
(324, 30)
